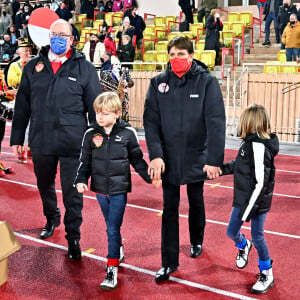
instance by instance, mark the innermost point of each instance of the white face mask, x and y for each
(217, 15)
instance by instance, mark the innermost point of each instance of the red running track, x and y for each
(40, 270)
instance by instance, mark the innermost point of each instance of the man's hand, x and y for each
(156, 168)
(17, 149)
(157, 183)
(81, 187)
(212, 172)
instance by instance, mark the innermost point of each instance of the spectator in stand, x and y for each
(284, 14)
(27, 12)
(261, 5)
(93, 49)
(37, 5)
(7, 7)
(55, 4)
(138, 23)
(117, 5)
(213, 27)
(19, 19)
(129, 3)
(15, 6)
(108, 6)
(63, 12)
(109, 42)
(75, 31)
(10, 48)
(6, 19)
(106, 61)
(25, 33)
(126, 51)
(87, 7)
(70, 4)
(4, 50)
(270, 14)
(101, 5)
(125, 28)
(204, 9)
(14, 35)
(187, 6)
(291, 39)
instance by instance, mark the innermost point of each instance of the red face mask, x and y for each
(180, 65)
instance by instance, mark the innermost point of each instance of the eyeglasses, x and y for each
(60, 34)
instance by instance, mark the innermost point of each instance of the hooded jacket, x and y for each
(254, 174)
(56, 104)
(107, 158)
(291, 35)
(184, 122)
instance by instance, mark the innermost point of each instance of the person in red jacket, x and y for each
(109, 43)
(261, 4)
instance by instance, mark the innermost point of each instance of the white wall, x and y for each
(159, 7)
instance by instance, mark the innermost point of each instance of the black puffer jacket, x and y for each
(56, 104)
(184, 121)
(106, 159)
(254, 173)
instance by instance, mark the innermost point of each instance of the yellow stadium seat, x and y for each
(246, 17)
(99, 15)
(78, 26)
(150, 56)
(98, 23)
(200, 45)
(159, 21)
(208, 57)
(149, 29)
(272, 67)
(108, 18)
(161, 32)
(162, 56)
(227, 37)
(226, 26)
(170, 19)
(85, 30)
(237, 27)
(197, 54)
(173, 34)
(80, 17)
(161, 45)
(148, 67)
(82, 39)
(137, 65)
(195, 18)
(150, 44)
(188, 34)
(289, 67)
(87, 23)
(117, 18)
(195, 28)
(233, 16)
(281, 56)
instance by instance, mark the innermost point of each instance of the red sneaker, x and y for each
(22, 158)
(2, 173)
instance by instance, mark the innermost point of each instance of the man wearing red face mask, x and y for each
(184, 122)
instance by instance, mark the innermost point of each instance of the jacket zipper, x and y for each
(107, 164)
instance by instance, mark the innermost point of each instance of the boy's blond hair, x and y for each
(254, 119)
(108, 101)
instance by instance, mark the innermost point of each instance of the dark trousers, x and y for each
(271, 17)
(45, 168)
(188, 15)
(2, 131)
(170, 220)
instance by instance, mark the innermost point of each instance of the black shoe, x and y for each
(48, 230)
(266, 43)
(74, 250)
(164, 273)
(196, 250)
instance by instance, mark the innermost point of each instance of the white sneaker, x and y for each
(110, 281)
(264, 282)
(122, 257)
(242, 256)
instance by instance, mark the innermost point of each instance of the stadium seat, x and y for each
(108, 18)
(148, 67)
(208, 57)
(188, 34)
(173, 34)
(200, 45)
(226, 26)
(194, 28)
(137, 65)
(149, 42)
(195, 18)
(87, 23)
(289, 67)
(233, 16)
(281, 56)
(97, 24)
(271, 67)
(150, 56)
(237, 27)
(158, 21)
(80, 17)
(162, 57)
(161, 32)
(246, 17)
(86, 30)
(117, 18)
(79, 45)
(197, 54)
(172, 25)
(161, 45)
(149, 29)
(227, 37)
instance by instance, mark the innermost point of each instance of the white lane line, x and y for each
(140, 270)
(159, 211)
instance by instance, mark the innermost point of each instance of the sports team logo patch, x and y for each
(39, 66)
(98, 140)
(163, 88)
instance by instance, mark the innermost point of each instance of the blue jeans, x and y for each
(257, 232)
(271, 17)
(259, 5)
(113, 208)
(292, 52)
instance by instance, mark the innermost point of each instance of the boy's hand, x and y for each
(156, 183)
(81, 187)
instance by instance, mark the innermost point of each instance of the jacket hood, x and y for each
(272, 144)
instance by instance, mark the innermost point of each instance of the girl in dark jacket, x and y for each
(213, 27)
(254, 173)
(108, 149)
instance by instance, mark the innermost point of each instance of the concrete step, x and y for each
(258, 49)
(259, 58)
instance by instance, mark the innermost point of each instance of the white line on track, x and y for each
(159, 211)
(141, 270)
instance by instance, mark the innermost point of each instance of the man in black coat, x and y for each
(270, 14)
(184, 122)
(187, 7)
(56, 92)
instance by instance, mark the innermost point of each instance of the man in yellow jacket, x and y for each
(16, 68)
(291, 38)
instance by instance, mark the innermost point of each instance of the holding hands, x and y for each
(81, 187)
(155, 170)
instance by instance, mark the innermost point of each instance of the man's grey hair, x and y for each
(61, 21)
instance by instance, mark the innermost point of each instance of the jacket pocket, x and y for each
(72, 119)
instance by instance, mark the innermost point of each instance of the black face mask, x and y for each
(102, 60)
(285, 5)
(4, 13)
(92, 41)
(293, 22)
